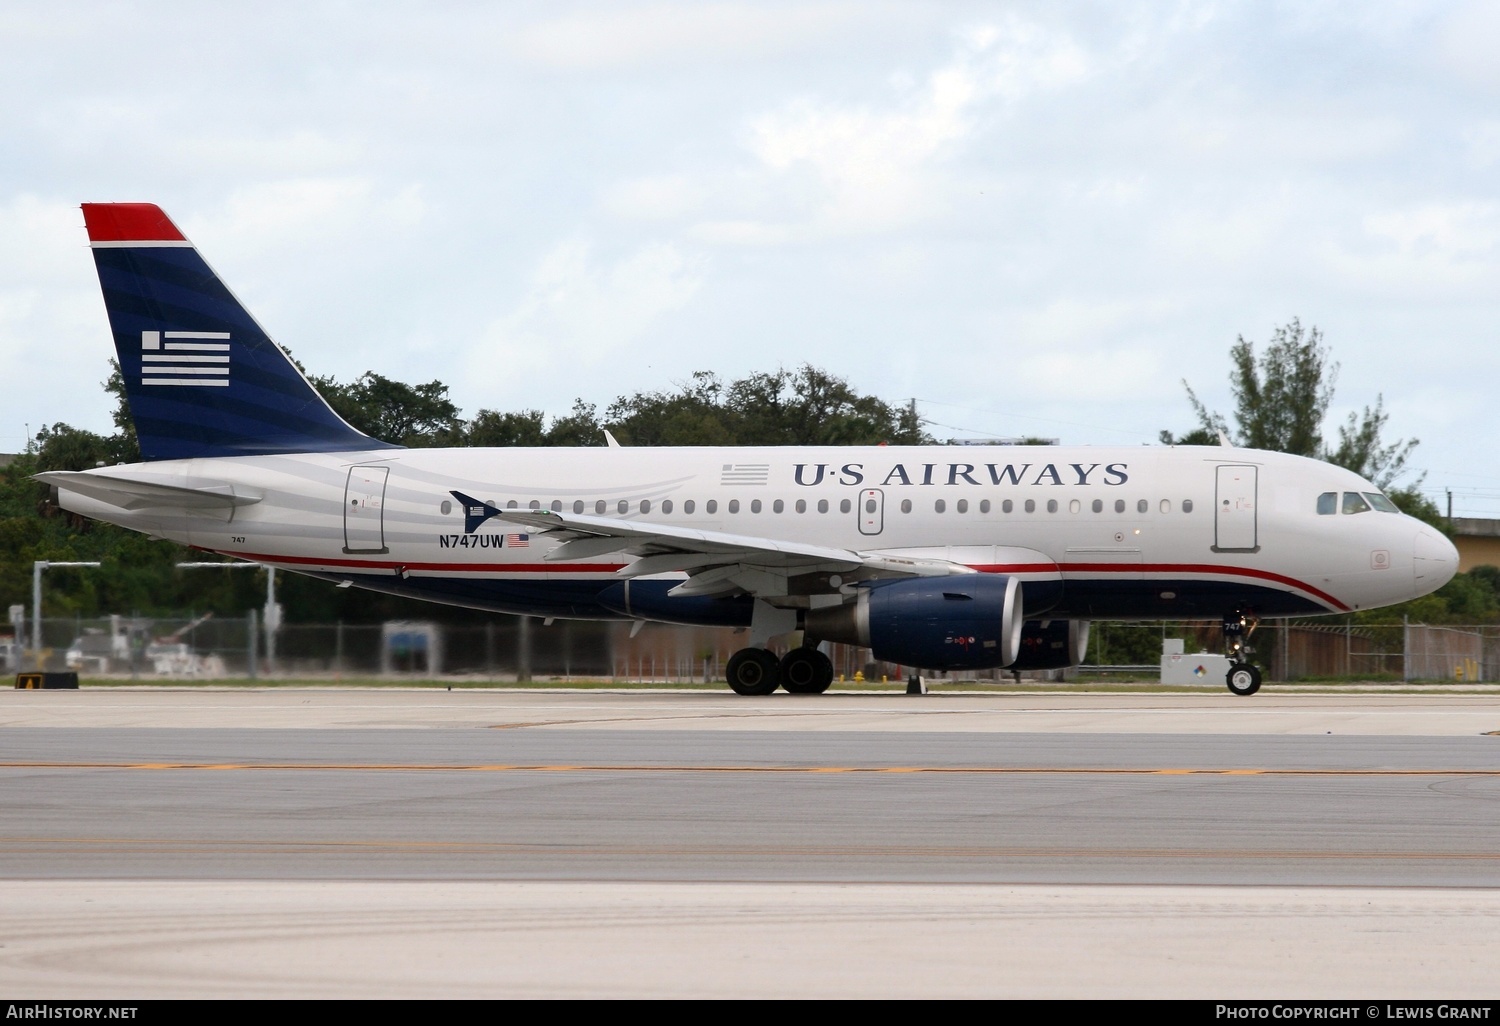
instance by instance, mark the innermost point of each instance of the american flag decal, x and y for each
(746, 474)
(517, 541)
(193, 358)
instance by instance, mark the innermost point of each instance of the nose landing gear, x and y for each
(1243, 677)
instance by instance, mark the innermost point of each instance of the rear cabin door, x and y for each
(1234, 510)
(364, 509)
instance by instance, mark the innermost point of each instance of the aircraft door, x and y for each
(364, 509)
(871, 511)
(1234, 510)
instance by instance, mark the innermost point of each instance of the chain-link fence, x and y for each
(511, 648)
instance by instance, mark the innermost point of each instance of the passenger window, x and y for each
(822, 505)
(1142, 506)
(689, 505)
(1098, 506)
(801, 505)
(1031, 505)
(1074, 506)
(984, 505)
(845, 506)
(734, 505)
(712, 505)
(1119, 505)
(577, 505)
(963, 505)
(1381, 503)
(1187, 505)
(1328, 504)
(754, 505)
(557, 505)
(509, 505)
(599, 506)
(666, 505)
(1007, 506)
(624, 506)
(1355, 503)
(940, 506)
(905, 506)
(534, 504)
(1166, 505)
(778, 506)
(645, 505)
(1051, 505)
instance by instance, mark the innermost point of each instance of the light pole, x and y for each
(272, 613)
(36, 599)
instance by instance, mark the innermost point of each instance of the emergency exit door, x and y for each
(1234, 510)
(871, 511)
(364, 509)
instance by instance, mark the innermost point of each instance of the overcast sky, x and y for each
(1034, 218)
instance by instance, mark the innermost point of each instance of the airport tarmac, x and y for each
(416, 843)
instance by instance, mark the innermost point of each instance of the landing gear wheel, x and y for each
(806, 671)
(753, 671)
(1243, 679)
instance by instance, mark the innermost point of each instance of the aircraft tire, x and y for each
(753, 671)
(1243, 679)
(806, 671)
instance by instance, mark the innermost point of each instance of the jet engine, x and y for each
(1051, 644)
(964, 622)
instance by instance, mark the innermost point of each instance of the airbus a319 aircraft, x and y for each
(940, 557)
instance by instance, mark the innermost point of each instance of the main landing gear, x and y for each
(1243, 677)
(756, 671)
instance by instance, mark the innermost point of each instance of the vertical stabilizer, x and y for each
(202, 378)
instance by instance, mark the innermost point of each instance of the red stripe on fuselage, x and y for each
(1163, 568)
(393, 565)
(1104, 569)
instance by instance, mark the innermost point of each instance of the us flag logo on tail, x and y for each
(193, 358)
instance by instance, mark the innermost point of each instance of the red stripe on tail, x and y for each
(129, 222)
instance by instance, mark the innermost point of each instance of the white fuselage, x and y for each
(1145, 532)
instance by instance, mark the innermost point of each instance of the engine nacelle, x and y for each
(963, 622)
(1052, 644)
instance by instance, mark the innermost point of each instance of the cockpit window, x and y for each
(1381, 503)
(1355, 503)
(1328, 504)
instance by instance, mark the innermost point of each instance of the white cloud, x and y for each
(646, 34)
(880, 166)
(53, 330)
(579, 312)
(279, 215)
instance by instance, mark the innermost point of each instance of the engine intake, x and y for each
(1052, 644)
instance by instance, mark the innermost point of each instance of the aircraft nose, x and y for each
(1434, 560)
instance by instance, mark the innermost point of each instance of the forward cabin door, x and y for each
(364, 509)
(1234, 510)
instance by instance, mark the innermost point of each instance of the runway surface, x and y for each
(1332, 843)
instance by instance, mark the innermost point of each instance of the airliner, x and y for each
(947, 558)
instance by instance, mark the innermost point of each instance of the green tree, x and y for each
(1281, 399)
(807, 406)
(393, 411)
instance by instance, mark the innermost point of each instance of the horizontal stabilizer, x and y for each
(133, 494)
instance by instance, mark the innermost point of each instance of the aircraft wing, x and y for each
(133, 494)
(715, 561)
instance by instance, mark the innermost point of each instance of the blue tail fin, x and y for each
(202, 378)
